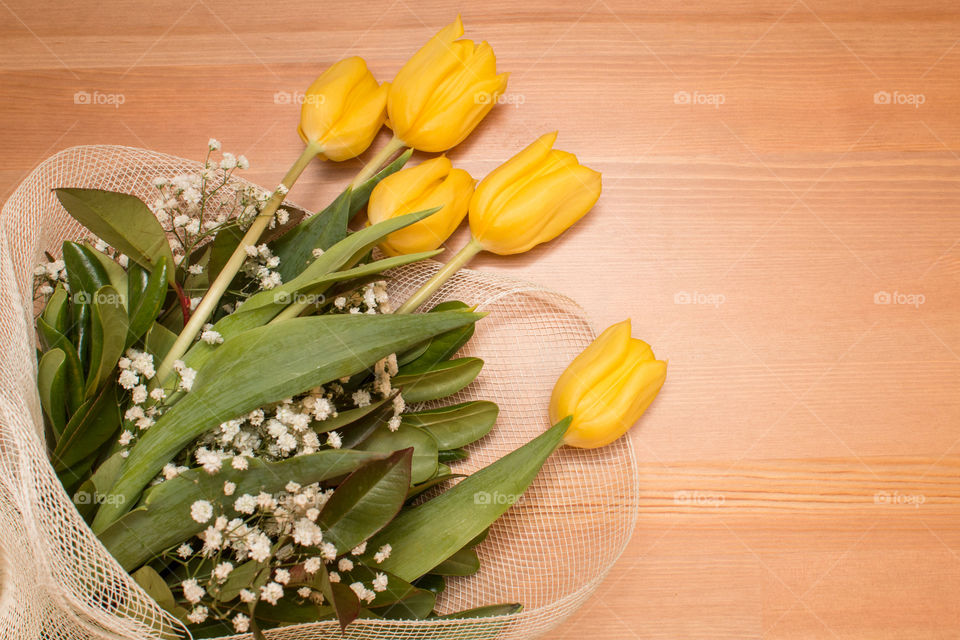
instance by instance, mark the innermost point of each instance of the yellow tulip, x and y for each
(607, 388)
(343, 110)
(532, 198)
(434, 183)
(443, 92)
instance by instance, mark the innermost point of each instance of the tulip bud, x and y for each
(443, 92)
(531, 198)
(607, 388)
(343, 109)
(434, 183)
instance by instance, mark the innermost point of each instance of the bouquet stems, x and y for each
(212, 297)
(430, 287)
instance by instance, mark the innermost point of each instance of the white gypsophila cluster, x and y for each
(47, 275)
(261, 265)
(372, 298)
(280, 531)
(192, 207)
(136, 371)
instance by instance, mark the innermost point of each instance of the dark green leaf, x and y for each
(440, 381)
(122, 221)
(57, 313)
(265, 365)
(442, 347)
(53, 339)
(143, 311)
(84, 272)
(222, 246)
(458, 425)
(344, 601)
(51, 382)
(378, 420)
(109, 326)
(88, 429)
(463, 563)
(366, 501)
(452, 455)
(157, 588)
(484, 612)
(431, 483)
(115, 273)
(429, 533)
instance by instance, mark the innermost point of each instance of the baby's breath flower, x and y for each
(271, 592)
(201, 511)
(241, 623)
(192, 590)
(380, 582)
(382, 554)
(198, 615)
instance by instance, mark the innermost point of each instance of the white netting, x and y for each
(548, 552)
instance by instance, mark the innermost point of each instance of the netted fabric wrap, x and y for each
(549, 552)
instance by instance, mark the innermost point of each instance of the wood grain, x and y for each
(800, 469)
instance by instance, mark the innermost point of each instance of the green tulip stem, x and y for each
(210, 300)
(430, 287)
(377, 161)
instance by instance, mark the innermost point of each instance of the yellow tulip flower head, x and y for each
(531, 198)
(343, 109)
(434, 183)
(443, 92)
(607, 388)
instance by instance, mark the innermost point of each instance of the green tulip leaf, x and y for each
(439, 381)
(424, 536)
(489, 611)
(442, 347)
(437, 479)
(366, 501)
(123, 221)
(458, 425)
(424, 446)
(158, 341)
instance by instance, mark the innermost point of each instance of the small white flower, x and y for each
(282, 576)
(312, 565)
(211, 337)
(380, 582)
(222, 570)
(245, 504)
(334, 576)
(123, 261)
(383, 553)
(243, 163)
(229, 488)
(340, 302)
(334, 440)
(282, 189)
(184, 551)
(317, 252)
(359, 550)
(158, 394)
(247, 596)
(192, 591)
(128, 379)
(328, 551)
(139, 394)
(125, 438)
(362, 592)
(304, 592)
(195, 269)
(201, 511)
(345, 564)
(170, 471)
(239, 463)
(361, 398)
(271, 592)
(198, 615)
(213, 144)
(292, 487)
(394, 423)
(229, 161)
(241, 623)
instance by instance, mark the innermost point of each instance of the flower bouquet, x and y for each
(252, 419)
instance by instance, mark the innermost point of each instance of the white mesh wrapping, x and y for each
(549, 552)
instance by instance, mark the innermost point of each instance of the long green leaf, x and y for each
(53, 339)
(143, 311)
(57, 313)
(489, 611)
(123, 221)
(108, 335)
(442, 347)
(457, 425)
(51, 382)
(265, 365)
(366, 501)
(115, 273)
(439, 381)
(163, 520)
(462, 563)
(426, 535)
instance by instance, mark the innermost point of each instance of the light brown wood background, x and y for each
(800, 468)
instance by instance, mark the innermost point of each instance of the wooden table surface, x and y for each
(779, 218)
